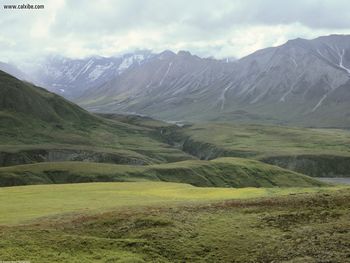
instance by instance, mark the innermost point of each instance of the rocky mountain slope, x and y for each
(167, 81)
(71, 77)
(303, 82)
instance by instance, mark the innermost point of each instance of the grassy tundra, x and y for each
(166, 222)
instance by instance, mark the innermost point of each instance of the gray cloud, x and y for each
(206, 27)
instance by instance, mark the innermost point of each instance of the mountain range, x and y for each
(302, 82)
(71, 77)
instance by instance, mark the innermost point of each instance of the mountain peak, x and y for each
(298, 40)
(166, 54)
(184, 53)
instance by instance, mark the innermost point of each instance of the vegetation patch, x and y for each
(288, 228)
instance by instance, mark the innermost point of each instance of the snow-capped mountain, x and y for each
(303, 82)
(71, 77)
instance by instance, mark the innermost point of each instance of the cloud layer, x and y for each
(220, 28)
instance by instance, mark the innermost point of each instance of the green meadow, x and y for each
(23, 203)
(167, 222)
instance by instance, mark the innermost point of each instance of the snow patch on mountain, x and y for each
(130, 60)
(319, 103)
(166, 73)
(99, 70)
(85, 68)
(341, 55)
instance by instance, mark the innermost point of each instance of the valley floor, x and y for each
(167, 222)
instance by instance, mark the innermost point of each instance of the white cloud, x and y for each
(220, 28)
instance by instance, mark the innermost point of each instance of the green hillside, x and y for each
(36, 126)
(24, 99)
(222, 172)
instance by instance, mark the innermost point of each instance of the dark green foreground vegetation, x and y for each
(295, 228)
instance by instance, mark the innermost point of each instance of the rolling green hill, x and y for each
(222, 172)
(36, 126)
(23, 99)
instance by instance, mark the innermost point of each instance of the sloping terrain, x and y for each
(222, 172)
(36, 125)
(303, 82)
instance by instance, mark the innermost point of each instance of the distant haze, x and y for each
(221, 28)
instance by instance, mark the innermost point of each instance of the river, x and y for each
(337, 180)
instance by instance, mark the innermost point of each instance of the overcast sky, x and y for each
(219, 28)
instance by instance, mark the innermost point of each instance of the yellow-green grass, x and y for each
(22, 203)
(306, 227)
